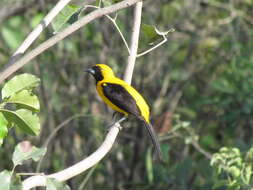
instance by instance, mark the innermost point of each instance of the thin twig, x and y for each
(11, 68)
(26, 174)
(64, 123)
(87, 177)
(154, 47)
(120, 33)
(196, 145)
(53, 133)
(113, 20)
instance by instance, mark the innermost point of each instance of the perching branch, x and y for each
(94, 158)
(11, 68)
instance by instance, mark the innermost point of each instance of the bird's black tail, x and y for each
(154, 139)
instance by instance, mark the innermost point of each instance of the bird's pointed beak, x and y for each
(91, 71)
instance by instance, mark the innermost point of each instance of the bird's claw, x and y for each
(116, 124)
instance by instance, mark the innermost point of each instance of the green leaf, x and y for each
(223, 85)
(3, 128)
(36, 19)
(67, 16)
(248, 174)
(149, 166)
(14, 21)
(53, 184)
(220, 183)
(19, 83)
(5, 178)
(25, 151)
(234, 171)
(16, 183)
(25, 99)
(165, 149)
(185, 124)
(12, 37)
(24, 119)
(106, 3)
(151, 33)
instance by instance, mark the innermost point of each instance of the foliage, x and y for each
(53, 184)
(23, 152)
(232, 169)
(19, 106)
(66, 17)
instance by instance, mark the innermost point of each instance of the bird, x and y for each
(123, 98)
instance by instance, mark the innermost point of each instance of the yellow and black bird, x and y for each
(123, 98)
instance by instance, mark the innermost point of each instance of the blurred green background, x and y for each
(199, 85)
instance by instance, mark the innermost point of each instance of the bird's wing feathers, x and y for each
(119, 96)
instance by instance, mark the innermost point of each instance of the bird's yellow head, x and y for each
(100, 72)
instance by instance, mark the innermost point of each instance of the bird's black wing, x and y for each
(120, 97)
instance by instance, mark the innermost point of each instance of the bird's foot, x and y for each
(116, 124)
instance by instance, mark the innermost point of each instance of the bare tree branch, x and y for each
(36, 32)
(11, 68)
(134, 42)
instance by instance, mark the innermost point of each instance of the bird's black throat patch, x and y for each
(98, 73)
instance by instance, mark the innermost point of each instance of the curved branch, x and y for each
(12, 67)
(79, 167)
